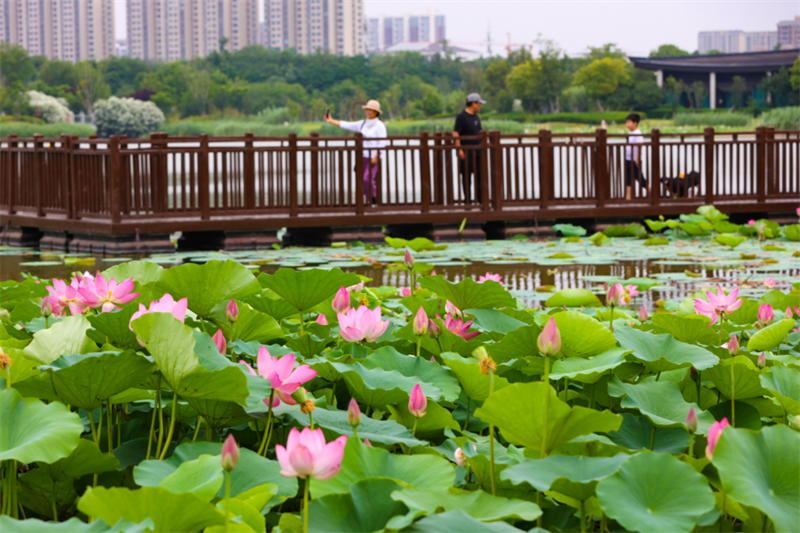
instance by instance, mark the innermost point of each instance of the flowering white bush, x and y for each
(50, 108)
(134, 118)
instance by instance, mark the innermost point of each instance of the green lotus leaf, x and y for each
(518, 344)
(219, 413)
(308, 345)
(656, 241)
(660, 401)
(588, 370)
(639, 434)
(574, 298)
(88, 380)
(114, 328)
(22, 367)
(387, 358)
(251, 325)
(457, 520)
(446, 342)
(202, 477)
(168, 511)
(208, 284)
(468, 293)
(784, 384)
(495, 321)
(746, 378)
(692, 329)
(430, 426)
(582, 335)
(473, 382)
(747, 416)
(65, 337)
(378, 387)
(368, 506)
(771, 336)
(46, 497)
(32, 431)
(142, 272)
(656, 492)
(762, 470)
(418, 244)
(251, 471)
(518, 411)
(727, 239)
(570, 230)
(304, 289)
(334, 423)
(746, 314)
(243, 515)
(73, 525)
(573, 476)
(86, 458)
(792, 232)
(270, 303)
(479, 505)
(662, 353)
(361, 461)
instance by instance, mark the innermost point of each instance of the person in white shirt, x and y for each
(374, 132)
(633, 156)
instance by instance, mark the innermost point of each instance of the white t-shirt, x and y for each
(371, 128)
(632, 152)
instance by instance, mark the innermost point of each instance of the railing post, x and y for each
(37, 174)
(546, 167)
(293, 200)
(124, 178)
(497, 171)
(602, 189)
(425, 171)
(484, 170)
(65, 176)
(655, 167)
(72, 199)
(12, 172)
(155, 170)
(249, 171)
(449, 190)
(761, 163)
(770, 149)
(202, 179)
(359, 174)
(709, 156)
(163, 149)
(438, 170)
(116, 189)
(314, 168)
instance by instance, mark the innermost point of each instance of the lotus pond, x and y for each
(623, 381)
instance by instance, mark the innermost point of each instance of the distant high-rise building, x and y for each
(69, 30)
(789, 33)
(335, 26)
(169, 30)
(386, 31)
(736, 41)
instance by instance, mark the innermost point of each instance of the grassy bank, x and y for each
(25, 129)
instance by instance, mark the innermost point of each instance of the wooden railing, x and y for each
(160, 183)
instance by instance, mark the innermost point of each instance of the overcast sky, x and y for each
(637, 26)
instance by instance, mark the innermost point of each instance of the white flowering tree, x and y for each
(49, 108)
(134, 118)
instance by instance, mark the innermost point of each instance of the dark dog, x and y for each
(682, 185)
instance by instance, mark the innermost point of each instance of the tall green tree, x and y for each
(601, 77)
(91, 85)
(668, 50)
(15, 65)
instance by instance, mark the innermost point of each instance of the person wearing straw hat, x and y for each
(374, 132)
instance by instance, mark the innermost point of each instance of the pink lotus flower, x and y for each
(642, 314)
(718, 304)
(408, 260)
(549, 341)
(405, 292)
(367, 443)
(732, 345)
(691, 420)
(762, 360)
(283, 377)
(631, 291)
(362, 324)
(63, 296)
(232, 311)
(491, 277)
(353, 413)
(356, 288)
(230, 453)
(798, 211)
(460, 328)
(769, 283)
(615, 296)
(713, 436)
(420, 324)
(790, 314)
(341, 302)
(307, 455)
(417, 402)
(107, 294)
(322, 320)
(765, 314)
(751, 222)
(451, 309)
(166, 304)
(220, 342)
(433, 330)
(460, 456)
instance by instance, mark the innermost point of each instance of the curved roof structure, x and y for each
(737, 63)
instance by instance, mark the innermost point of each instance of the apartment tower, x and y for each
(69, 30)
(168, 30)
(385, 31)
(334, 26)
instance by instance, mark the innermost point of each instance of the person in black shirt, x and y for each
(468, 124)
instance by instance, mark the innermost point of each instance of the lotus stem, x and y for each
(699, 386)
(301, 323)
(153, 419)
(262, 449)
(208, 430)
(419, 344)
(546, 405)
(653, 439)
(691, 445)
(55, 510)
(197, 424)
(491, 436)
(733, 396)
(466, 422)
(305, 505)
(160, 425)
(171, 427)
(311, 419)
(583, 516)
(539, 503)
(227, 500)
(611, 322)
(110, 429)
(414, 428)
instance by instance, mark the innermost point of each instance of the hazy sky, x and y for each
(637, 26)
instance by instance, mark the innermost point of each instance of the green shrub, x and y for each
(22, 118)
(227, 128)
(782, 118)
(610, 117)
(735, 120)
(24, 129)
(275, 115)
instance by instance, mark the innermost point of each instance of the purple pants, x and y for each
(370, 181)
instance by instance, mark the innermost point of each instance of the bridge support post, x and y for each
(601, 167)
(545, 167)
(708, 134)
(497, 171)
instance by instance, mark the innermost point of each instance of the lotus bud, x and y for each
(341, 302)
(306, 403)
(461, 457)
(5, 360)
(765, 314)
(713, 436)
(409, 260)
(232, 311)
(220, 342)
(433, 329)
(47, 307)
(420, 325)
(769, 283)
(230, 453)
(762, 360)
(353, 413)
(642, 315)
(733, 345)
(693, 374)
(549, 341)
(691, 420)
(789, 312)
(367, 443)
(452, 310)
(751, 222)
(614, 294)
(322, 320)
(417, 402)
